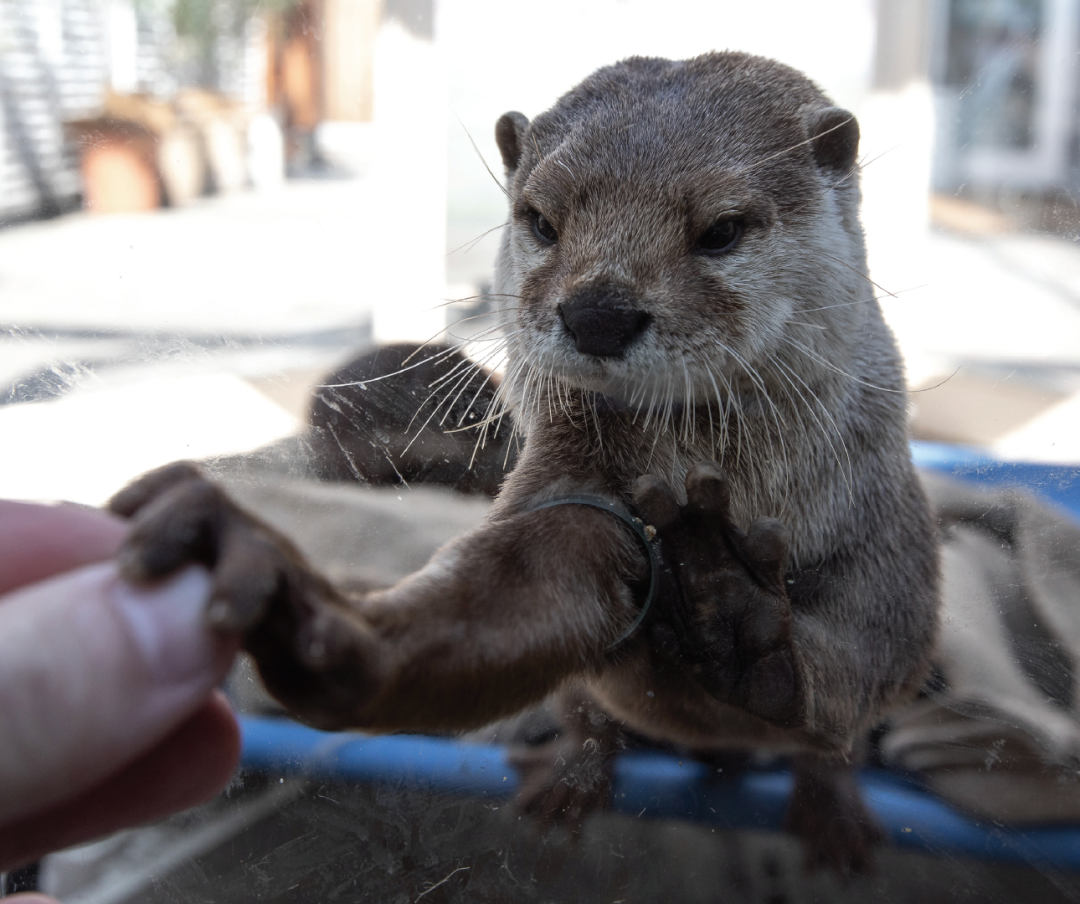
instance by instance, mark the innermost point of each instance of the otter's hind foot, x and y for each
(568, 778)
(828, 813)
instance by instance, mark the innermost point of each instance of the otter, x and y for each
(689, 300)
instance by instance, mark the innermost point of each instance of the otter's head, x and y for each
(670, 220)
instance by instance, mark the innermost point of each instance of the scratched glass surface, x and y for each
(208, 207)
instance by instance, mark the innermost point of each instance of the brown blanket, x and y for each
(996, 730)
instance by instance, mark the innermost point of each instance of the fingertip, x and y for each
(707, 489)
(655, 502)
(217, 728)
(168, 625)
(767, 545)
(38, 541)
(188, 767)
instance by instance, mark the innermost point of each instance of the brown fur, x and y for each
(629, 168)
(381, 419)
(770, 358)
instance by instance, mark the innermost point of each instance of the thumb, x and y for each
(93, 673)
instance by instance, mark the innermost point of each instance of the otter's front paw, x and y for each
(730, 618)
(313, 653)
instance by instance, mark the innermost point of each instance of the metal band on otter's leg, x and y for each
(638, 527)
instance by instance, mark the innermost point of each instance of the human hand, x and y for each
(108, 713)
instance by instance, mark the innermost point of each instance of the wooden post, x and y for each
(348, 59)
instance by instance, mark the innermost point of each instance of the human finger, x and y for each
(187, 767)
(95, 672)
(37, 541)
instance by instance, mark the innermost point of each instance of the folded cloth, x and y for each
(995, 731)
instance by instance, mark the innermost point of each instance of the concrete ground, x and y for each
(130, 340)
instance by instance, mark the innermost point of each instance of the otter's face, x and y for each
(669, 220)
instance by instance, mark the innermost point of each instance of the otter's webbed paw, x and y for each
(729, 615)
(314, 654)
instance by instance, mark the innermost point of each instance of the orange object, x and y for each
(119, 169)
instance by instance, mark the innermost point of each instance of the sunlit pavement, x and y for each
(1001, 311)
(129, 341)
(1013, 298)
(287, 260)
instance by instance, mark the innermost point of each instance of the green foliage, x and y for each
(208, 18)
(200, 26)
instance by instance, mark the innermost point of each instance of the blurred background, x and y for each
(205, 204)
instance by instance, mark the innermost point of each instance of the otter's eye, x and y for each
(542, 228)
(721, 237)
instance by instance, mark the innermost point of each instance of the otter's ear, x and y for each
(834, 135)
(509, 133)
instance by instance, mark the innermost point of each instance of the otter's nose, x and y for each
(602, 321)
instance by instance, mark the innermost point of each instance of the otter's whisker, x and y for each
(441, 381)
(848, 474)
(810, 353)
(708, 410)
(466, 364)
(446, 352)
(423, 426)
(446, 302)
(790, 148)
(431, 339)
(476, 394)
(872, 300)
(857, 271)
(481, 364)
(502, 187)
(596, 418)
(762, 392)
(469, 244)
(727, 411)
(689, 429)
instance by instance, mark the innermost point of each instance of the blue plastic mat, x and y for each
(1055, 483)
(647, 785)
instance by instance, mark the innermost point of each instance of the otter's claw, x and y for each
(179, 518)
(315, 654)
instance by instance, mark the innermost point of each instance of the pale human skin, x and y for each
(109, 716)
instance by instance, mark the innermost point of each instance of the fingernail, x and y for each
(167, 623)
